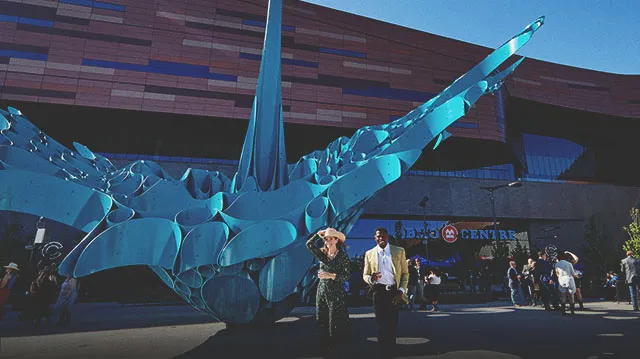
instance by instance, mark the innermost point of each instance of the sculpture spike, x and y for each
(263, 153)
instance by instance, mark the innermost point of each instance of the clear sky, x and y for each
(601, 35)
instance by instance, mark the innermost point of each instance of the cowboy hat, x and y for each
(12, 266)
(574, 257)
(332, 232)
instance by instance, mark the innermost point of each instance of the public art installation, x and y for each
(234, 248)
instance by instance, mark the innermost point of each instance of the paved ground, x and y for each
(494, 330)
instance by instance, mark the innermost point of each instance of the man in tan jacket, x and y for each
(387, 272)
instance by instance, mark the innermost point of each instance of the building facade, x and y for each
(173, 81)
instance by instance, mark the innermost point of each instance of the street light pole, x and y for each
(492, 189)
(493, 214)
(423, 204)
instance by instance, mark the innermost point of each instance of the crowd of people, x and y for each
(424, 286)
(40, 297)
(557, 282)
(553, 283)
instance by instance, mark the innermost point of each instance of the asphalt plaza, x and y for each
(493, 330)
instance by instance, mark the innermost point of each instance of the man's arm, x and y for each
(404, 277)
(366, 272)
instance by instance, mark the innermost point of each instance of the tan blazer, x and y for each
(399, 262)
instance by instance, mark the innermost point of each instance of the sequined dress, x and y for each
(331, 305)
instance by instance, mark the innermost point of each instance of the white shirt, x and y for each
(565, 272)
(434, 279)
(385, 266)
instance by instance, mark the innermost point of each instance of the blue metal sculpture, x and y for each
(233, 248)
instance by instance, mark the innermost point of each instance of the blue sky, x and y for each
(601, 35)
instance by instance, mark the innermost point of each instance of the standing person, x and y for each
(386, 270)
(66, 300)
(573, 259)
(331, 306)
(411, 285)
(631, 267)
(6, 285)
(421, 301)
(434, 288)
(526, 282)
(44, 291)
(566, 283)
(543, 275)
(514, 282)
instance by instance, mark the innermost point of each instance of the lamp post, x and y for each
(492, 189)
(423, 204)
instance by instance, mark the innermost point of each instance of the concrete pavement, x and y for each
(493, 330)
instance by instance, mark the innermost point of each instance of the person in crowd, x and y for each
(514, 283)
(526, 282)
(573, 259)
(610, 286)
(537, 297)
(411, 285)
(7, 285)
(386, 271)
(420, 300)
(328, 246)
(434, 281)
(566, 282)
(542, 273)
(485, 277)
(66, 300)
(630, 266)
(43, 292)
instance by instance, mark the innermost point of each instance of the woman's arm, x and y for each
(314, 244)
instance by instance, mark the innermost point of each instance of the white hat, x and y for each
(575, 257)
(332, 232)
(12, 266)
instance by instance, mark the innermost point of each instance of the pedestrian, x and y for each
(566, 282)
(7, 285)
(631, 268)
(419, 296)
(526, 282)
(434, 280)
(411, 285)
(328, 246)
(386, 271)
(514, 282)
(542, 273)
(43, 292)
(573, 259)
(66, 300)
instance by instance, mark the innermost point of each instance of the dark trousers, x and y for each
(547, 292)
(386, 319)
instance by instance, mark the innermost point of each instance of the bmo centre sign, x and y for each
(450, 234)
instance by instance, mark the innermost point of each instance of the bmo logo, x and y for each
(449, 233)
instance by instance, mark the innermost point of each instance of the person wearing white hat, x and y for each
(10, 276)
(9, 279)
(331, 305)
(566, 282)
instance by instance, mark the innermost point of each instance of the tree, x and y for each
(520, 254)
(600, 252)
(500, 251)
(633, 230)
